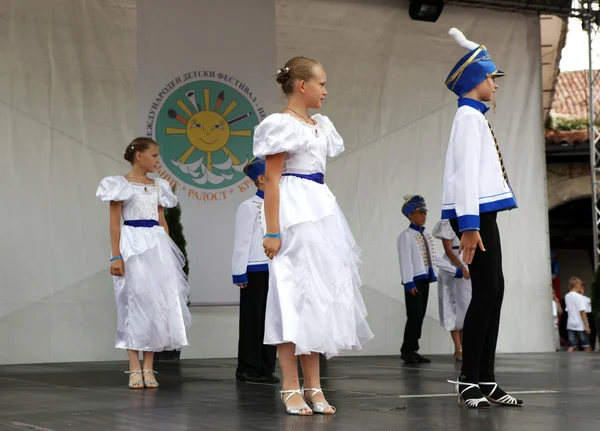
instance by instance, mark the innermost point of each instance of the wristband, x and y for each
(116, 258)
(272, 235)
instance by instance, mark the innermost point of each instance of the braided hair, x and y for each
(297, 68)
(138, 145)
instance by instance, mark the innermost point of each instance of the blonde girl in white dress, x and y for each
(147, 267)
(314, 305)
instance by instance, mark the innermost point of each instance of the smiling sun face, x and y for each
(208, 131)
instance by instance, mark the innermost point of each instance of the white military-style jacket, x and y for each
(475, 179)
(248, 252)
(413, 247)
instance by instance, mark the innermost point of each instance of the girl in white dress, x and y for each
(147, 267)
(314, 304)
(454, 294)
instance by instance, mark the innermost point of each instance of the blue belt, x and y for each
(141, 223)
(317, 178)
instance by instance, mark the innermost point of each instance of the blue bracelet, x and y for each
(116, 258)
(272, 235)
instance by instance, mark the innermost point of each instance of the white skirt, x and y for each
(454, 297)
(314, 299)
(151, 297)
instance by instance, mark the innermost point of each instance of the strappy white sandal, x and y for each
(134, 384)
(152, 381)
(296, 410)
(318, 407)
(503, 400)
(474, 403)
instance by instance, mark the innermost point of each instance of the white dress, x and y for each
(151, 298)
(454, 294)
(314, 299)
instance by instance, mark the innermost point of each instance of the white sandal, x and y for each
(296, 410)
(503, 400)
(134, 384)
(474, 403)
(318, 407)
(153, 381)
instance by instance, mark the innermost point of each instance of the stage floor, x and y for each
(561, 392)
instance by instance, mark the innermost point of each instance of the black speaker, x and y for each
(425, 10)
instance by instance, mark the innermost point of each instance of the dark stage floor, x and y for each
(371, 393)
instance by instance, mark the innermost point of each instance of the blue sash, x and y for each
(141, 223)
(318, 178)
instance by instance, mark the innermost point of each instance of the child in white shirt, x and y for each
(577, 324)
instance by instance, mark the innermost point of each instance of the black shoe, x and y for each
(494, 394)
(470, 394)
(409, 358)
(421, 359)
(251, 378)
(271, 378)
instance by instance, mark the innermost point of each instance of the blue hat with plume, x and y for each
(472, 69)
(413, 203)
(255, 168)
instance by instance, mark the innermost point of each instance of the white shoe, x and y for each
(318, 407)
(295, 410)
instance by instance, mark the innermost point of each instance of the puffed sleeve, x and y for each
(166, 197)
(335, 143)
(443, 230)
(114, 189)
(278, 133)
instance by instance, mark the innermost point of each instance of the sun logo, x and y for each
(206, 143)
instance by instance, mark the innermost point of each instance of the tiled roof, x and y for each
(571, 95)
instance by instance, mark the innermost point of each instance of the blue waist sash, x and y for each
(141, 223)
(318, 178)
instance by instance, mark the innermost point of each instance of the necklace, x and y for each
(139, 183)
(307, 122)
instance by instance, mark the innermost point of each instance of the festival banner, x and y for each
(205, 76)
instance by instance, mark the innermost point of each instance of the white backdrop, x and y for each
(68, 106)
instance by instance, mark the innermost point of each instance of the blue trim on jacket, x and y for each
(417, 228)
(475, 104)
(243, 278)
(471, 222)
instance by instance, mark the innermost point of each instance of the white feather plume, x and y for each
(460, 38)
(407, 197)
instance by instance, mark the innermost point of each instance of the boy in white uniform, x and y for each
(418, 260)
(475, 189)
(256, 361)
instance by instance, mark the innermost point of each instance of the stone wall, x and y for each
(567, 182)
